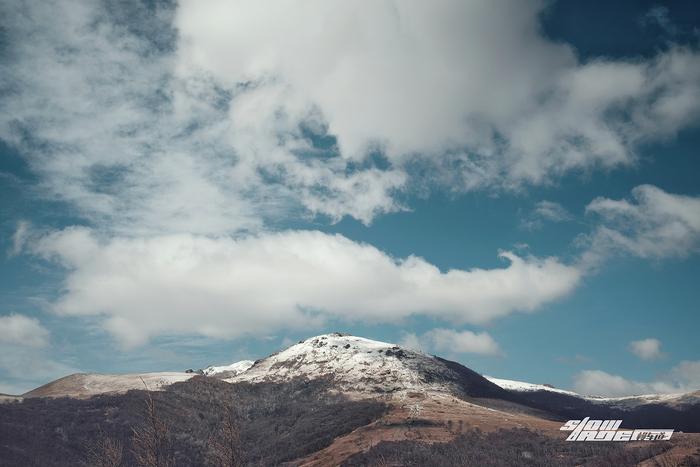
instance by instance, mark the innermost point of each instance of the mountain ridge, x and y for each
(356, 364)
(360, 365)
(326, 399)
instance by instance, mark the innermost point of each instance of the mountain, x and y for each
(623, 403)
(9, 398)
(338, 399)
(678, 411)
(365, 367)
(520, 386)
(83, 385)
(357, 365)
(228, 371)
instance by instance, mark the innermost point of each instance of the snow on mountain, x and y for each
(87, 385)
(624, 403)
(231, 370)
(6, 398)
(629, 402)
(520, 386)
(352, 364)
(356, 364)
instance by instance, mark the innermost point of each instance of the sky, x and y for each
(509, 184)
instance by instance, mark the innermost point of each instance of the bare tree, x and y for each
(105, 452)
(151, 441)
(225, 443)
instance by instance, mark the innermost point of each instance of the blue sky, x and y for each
(512, 185)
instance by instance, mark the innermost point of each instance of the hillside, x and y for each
(364, 366)
(330, 400)
(88, 385)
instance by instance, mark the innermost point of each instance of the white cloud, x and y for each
(411, 341)
(19, 238)
(655, 224)
(22, 330)
(198, 120)
(646, 349)
(98, 129)
(134, 148)
(546, 211)
(25, 360)
(684, 377)
(363, 82)
(449, 341)
(600, 383)
(24, 368)
(688, 372)
(226, 287)
(172, 129)
(551, 211)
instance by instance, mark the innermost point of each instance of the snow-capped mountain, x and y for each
(86, 385)
(625, 402)
(359, 365)
(371, 369)
(364, 392)
(228, 371)
(681, 411)
(520, 386)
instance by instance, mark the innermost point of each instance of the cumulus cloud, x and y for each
(116, 132)
(97, 127)
(24, 354)
(22, 330)
(225, 287)
(212, 117)
(181, 130)
(684, 377)
(646, 349)
(600, 383)
(653, 224)
(363, 81)
(450, 341)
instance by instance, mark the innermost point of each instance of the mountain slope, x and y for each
(623, 403)
(520, 386)
(358, 365)
(83, 385)
(228, 371)
(678, 411)
(366, 368)
(317, 403)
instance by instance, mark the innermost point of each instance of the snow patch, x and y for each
(527, 387)
(234, 368)
(354, 364)
(87, 385)
(626, 402)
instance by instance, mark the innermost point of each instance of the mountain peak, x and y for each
(360, 365)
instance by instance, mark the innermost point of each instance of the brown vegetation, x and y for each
(516, 447)
(151, 441)
(105, 451)
(278, 423)
(225, 443)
